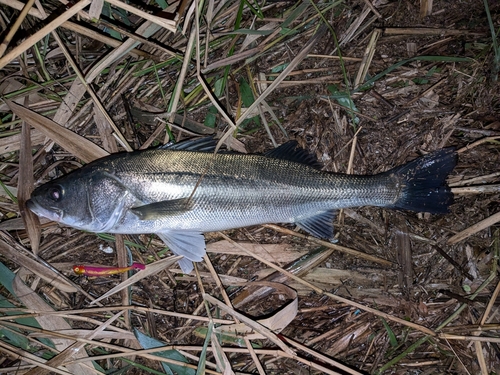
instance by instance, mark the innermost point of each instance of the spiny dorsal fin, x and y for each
(198, 144)
(292, 152)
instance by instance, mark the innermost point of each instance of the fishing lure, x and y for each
(105, 271)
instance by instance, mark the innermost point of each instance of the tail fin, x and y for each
(423, 181)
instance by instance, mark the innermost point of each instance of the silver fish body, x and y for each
(181, 192)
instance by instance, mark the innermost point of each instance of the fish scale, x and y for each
(180, 192)
(232, 194)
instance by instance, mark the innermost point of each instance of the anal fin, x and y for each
(189, 244)
(320, 225)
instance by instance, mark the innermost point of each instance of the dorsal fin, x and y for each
(292, 152)
(197, 144)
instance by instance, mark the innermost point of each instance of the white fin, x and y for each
(189, 244)
(320, 225)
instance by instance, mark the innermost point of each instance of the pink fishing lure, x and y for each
(81, 269)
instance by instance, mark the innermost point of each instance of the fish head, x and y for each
(86, 199)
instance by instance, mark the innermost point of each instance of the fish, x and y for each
(183, 190)
(81, 269)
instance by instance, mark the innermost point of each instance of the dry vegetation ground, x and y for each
(364, 85)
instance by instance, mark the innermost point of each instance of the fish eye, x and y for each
(56, 193)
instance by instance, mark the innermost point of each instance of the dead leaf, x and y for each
(79, 146)
(51, 323)
(25, 188)
(46, 273)
(279, 319)
(278, 253)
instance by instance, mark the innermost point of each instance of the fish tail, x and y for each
(423, 182)
(138, 266)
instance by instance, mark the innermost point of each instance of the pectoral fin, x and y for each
(189, 244)
(320, 225)
(162, 209)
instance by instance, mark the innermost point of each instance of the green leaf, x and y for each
(150, 343)
(251, 32)
(203, 354)
(255, 10)
(19, 340)
(369, 82)
(219, 87)
(392, 337)
(295, 14)
(344, 100)
(246, 93)
(247, 99)
(279, 68)
(8, 192)
(211, 117)
(420, 81)
(11, 335)
(106, 10)
(162, 3)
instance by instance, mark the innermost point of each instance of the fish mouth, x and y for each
(53, 214)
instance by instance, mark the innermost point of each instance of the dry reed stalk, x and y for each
(20, 6)
(80, 29)
(97, 102)
(425, 31)
(447, 336)
(26, 356)
(372, 8)
(251, 323)
(74, 143)
(37, 36)
(483, 224)
(354, 27)
(471, 190)
(429, 90)
(182, 75)
(74, 351)
(477, 143)
(160, 21)
(25, 188)
(418, 327)
(291, 66)
(73, 314)
(482, 179)
(367, 57)
(248, 344)
(49, 275)
(85, 31)
(425, 8)
(144, 41)
(206, 89)
(15, 26)
(96, 9)
(334, 57)
(330, 245)
(64, 347)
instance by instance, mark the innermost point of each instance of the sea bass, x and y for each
(181, 191)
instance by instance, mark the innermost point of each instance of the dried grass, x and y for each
(366, 85)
